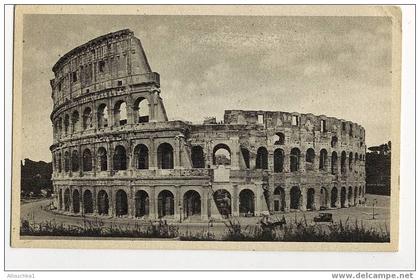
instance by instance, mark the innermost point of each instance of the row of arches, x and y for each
(72, 202)
(165, 159)
(222, 155)
(75, 121)
(325, 199)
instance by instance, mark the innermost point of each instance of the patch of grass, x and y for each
(295, 231)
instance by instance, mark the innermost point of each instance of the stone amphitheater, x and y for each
(116, 154)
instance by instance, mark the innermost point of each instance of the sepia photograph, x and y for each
(206, 131)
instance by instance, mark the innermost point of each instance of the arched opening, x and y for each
(66, 124)
(103, 203)
(120, 158)
(223, 202)
(295, 198)
(87, 160)
(102, 116)
(310, 199)
(334, 141)
(350, 196)
(278, 160)
(141, 203)
(294, 160)
(74, 161)
(334, 160)
(262, 158)
(310, 159)
(221, 155)
(87, 202)
(343, 162)
(102, 159)
(87, 118)
(165, 156)
(121, 203)
(75, 121)
(323, 159)
(141, 110)
(192, 204)
(165, 204)
(323, 198)
(60, 199)
(197, 157)
(279, 139)
(245, 155)
(334, 197)
(66, 162)
(246, 203)
(279, 199)
(350, 161)
(141, 156)
(76, 201)
(343, 197)
(67, 200)
(120, 113)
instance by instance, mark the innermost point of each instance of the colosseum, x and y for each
(116, 154)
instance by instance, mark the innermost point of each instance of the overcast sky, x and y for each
(336, 66)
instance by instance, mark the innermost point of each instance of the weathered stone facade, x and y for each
(115, 153)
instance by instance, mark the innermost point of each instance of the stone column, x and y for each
(177, 203)
(111, 196)
(177, 153)
(110, 162)
(258, 200)
(204, 204)
(82, 208)
(131, 202)
(286, 162)
(94, 201)
(110, 114)
(79, 151)
(71, 200)
(235, 201)
(303, 199)
(286, 199)
(152, 154)
(271, 161)
(152, 203)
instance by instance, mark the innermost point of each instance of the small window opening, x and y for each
(261, 119)
(295, 120)
(323, 126)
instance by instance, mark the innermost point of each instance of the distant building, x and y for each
(378, 169)
(115, 152)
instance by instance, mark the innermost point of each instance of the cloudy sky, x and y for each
(336, 66)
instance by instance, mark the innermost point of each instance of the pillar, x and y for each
(235, 201)
(303, 199)
(286, 162)
(82, 208)
(204, 205)
(286, 199)
(177, 204)
(152, 203)
(95, 201)
(130, 202)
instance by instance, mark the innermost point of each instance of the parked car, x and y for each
(323, 217)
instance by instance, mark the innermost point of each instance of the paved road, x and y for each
(35, 212)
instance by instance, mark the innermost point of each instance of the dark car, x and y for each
(323, 217)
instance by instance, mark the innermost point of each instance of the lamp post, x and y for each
(373, 208)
